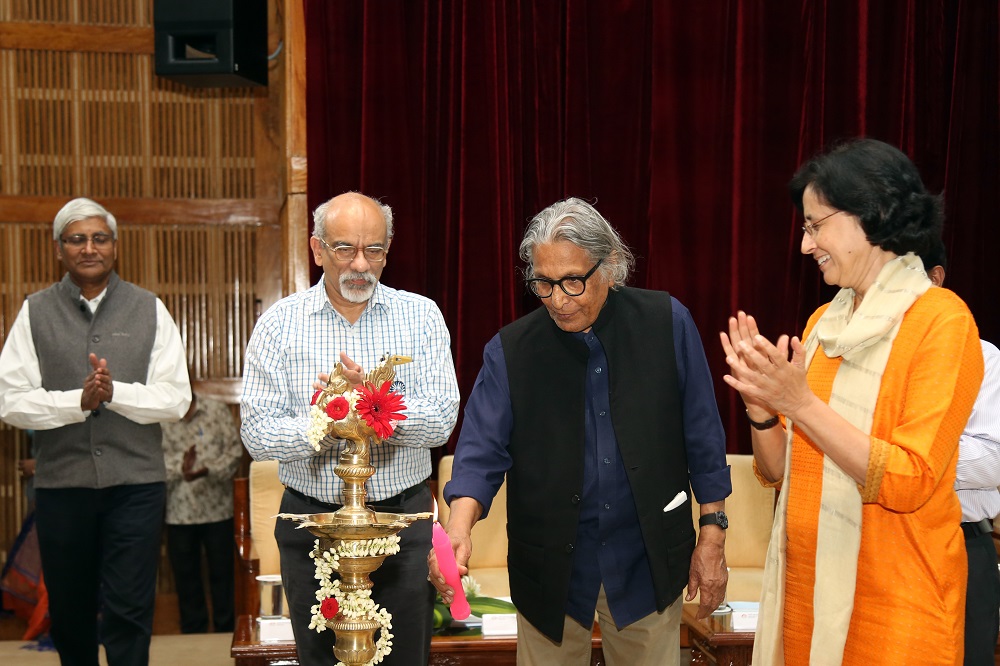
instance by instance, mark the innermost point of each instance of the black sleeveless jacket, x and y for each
(546, 370)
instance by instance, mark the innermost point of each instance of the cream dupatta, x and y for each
(863, 338)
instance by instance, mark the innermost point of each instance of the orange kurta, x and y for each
(909, 603)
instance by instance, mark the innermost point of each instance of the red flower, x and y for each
(337, 408)
(315, 397)
(329, 608)
(379, 408)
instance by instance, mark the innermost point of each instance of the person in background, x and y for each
(93, 364)
(351, 317)
(599, 408)
(202, 452)
(976, 481)
(859, 425)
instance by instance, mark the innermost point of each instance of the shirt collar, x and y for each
(94, 302)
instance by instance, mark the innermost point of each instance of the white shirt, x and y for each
(979, 446)
(24, 404)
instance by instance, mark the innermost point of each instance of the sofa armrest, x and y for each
(247, 594)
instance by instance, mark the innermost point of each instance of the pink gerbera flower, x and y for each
(380, 408)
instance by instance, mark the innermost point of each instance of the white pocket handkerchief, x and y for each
(676, 501)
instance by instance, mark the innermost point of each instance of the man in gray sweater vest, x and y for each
(93, 364)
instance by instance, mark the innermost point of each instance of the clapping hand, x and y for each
(767, 380)
(187, 466)
(97, 386)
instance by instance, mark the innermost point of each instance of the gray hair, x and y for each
(576, 221)
(81, 209)
(319, 216)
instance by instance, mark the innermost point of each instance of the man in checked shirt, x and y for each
(350, 316)
(976, 481)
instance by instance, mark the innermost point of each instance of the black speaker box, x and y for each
(211, 43)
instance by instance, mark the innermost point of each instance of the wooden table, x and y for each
(713, 640)
(476, 650)
(247, 649)
(458, 650)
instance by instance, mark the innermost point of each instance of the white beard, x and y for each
(356, 294)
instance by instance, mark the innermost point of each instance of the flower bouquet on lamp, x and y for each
(368, 411)
(354, 540)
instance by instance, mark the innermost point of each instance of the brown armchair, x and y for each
(751, 513)
(257, 498)
(488, 564)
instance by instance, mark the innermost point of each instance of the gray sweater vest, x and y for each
(106, 449)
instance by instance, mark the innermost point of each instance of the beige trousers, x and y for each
(655, 640)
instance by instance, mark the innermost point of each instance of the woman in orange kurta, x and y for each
(867, 561)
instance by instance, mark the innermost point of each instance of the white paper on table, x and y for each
(274, 630)
(499, 624)
(744, 615)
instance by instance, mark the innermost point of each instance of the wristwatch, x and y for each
(718, 518)
(763, 425)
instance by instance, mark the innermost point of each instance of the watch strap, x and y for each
(763, 425)
(717, 518)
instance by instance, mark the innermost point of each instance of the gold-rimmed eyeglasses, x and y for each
(374, 254)
(812, 228)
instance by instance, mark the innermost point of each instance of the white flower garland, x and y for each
(318, 423)
(356, 605)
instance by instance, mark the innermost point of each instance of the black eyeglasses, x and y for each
(572, 285)
(374, 254)
(812, 228)
(80, 240)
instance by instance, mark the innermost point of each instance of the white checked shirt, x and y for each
(979, 446)
(303, 335)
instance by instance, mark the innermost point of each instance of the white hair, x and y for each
(319, 217)
(81, 209)
(576, 221)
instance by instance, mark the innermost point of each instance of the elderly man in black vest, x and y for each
(600, 409)
(93, 364)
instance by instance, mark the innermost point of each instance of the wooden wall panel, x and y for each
(13, 499)
(212, 213)
(107, 12)
(100, 123)
(27, 264)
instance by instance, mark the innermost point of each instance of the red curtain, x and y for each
(682, 121)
